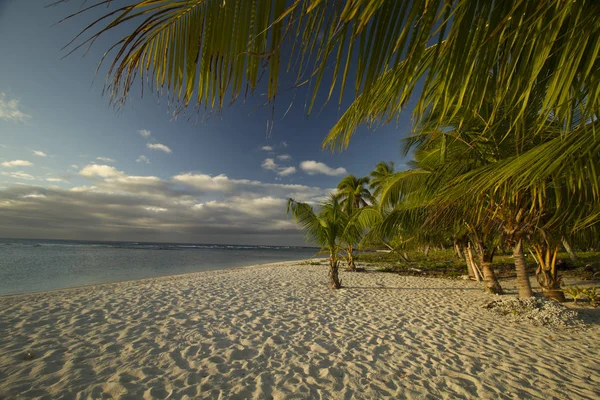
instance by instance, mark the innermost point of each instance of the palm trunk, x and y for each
(457, 250)
(489, 277)
(470, 269)
(521, 269)
(351, 265)
(334, 280)
(569, 250)
(471, 264)
(486, 256)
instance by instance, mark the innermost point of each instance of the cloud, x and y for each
(105, 159)
(221, 184)
(40, 153)
(287, 171)
(269, 164)
(10, 110)
(284, 144)
(74, 166)
(177, 212)
(102, 171)
(315, 167)
(18, 175)
(16, 163)
(34, 196)
(55, 180)
(143, 159)
(187, 207)
(158, 146)
(144, 133)
(267, 148)
(284, 157)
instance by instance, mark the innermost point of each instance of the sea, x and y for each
(28, 265)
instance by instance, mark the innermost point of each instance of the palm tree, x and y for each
(379, 175)
(416, 209)
(331, 228)
(210, 51)
(537, 60)
(354, 194)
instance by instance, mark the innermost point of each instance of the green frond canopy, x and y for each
(210, 51)
(353, 193)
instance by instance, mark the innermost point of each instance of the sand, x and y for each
(278, 332)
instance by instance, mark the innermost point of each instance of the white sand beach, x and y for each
(277, 331)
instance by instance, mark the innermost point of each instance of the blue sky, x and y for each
(71, 167)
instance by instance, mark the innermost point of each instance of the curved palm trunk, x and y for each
(457, 250)
(351, 264)
(334, 280)
(489, 277)
(521, 269)
(486, 257)
(471, 266)
(569, 250)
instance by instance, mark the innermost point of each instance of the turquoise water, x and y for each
(38, 265)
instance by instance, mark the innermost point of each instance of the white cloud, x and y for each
(102, 171)
(82, 188)
(219, 183)
(18, 175)
(144, 133)
(267, 148)
(315, 167)
(155, 209)
(284, 157)
(54, 180)
(284, 144)
(269, 164)
(10, 110)
(143, 159)
(105, 159)
(40, 153)
(158, 146)
(287, 171)
(119, 206)
(16, 163)
(223, 184)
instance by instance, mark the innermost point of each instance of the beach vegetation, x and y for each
(505, 99)
(326, 228)
(588, 293)
(354, 194)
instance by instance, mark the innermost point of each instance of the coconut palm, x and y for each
(538, 60)
(354, 194)
(210, 51)
(331, 228)
(415, 207)
(379, 175)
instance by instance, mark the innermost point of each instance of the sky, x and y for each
(72, 167)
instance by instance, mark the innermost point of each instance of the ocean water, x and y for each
(39, 265)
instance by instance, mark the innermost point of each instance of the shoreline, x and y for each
(277, 263)
(276, 331)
